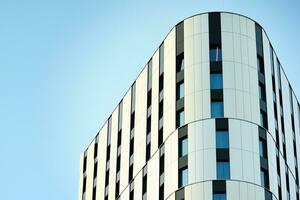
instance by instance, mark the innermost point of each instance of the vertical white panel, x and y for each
(138, 184)
(227, 46)
(260, 193)
(113, 154)
(154, 106)
(251, 191)
(169, 83)
(232, 190)
(243, 191)
(204, 23)
(226, 22)
(80, 177)
(140, 124)
(207, 188)
(188, 193)
(209, 164)
(153, 177)
(198, 191)
(209, 134)
(102, 144)
(236, 164)
(124, 170)
(125, 194)
(90, 170)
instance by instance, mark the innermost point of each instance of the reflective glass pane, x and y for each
(217, 109)
(183, 146)
(223, 170)
(221, 196)
(183, 177)
(222, 139)
(216, 81)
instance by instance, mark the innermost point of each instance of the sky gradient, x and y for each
(64, 66)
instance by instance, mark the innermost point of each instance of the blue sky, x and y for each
(64, 66)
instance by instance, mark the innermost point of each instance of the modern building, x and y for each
(211, 116)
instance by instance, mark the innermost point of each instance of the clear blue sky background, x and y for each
(64, 66)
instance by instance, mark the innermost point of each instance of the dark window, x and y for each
(108, 153)
(161, 82)
(84, 163)
(94, 193)
(216, 81)
(183, 146)
(161, 192)
(262, 92)
(84, 185)
(130, 172)
(131, 195)
(119, 138)
(263, 119)
(96, 150)
(264, 178)
(215, 54)
(144, 189)
(95, 169)
(180, 62)
(118, 163)
(161, 164)
(223, 170)
(222, 139)
(161, 109)
(149, 124)
(149, 98)
(180, 90)
(148, 150)
(160, 136)
(217, 109)
(183, 177)
(107, 178)
(263, 148)
(117, 191)
(132, 120)
(180, 118)
(131, 146)
(260, 64)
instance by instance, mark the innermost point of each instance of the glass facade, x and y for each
(183, 177)
(216, 81)
(183, 146)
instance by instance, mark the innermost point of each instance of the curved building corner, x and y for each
(211, 116)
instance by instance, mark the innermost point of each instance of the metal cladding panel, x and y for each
(153, 177)
(124, 170)
(272, 164)
(154, 105)
(138, 184)
(125, 194)
(171, 164)
(169, 83)
(90, 170)
(113, 154)
(80, 177)
(102, 144)
(140, 123)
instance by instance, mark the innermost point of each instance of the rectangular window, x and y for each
(180, 62)
(222, 139)
(161, 192)
(215, 54)
(161, 164)
(264, 178)
(262, 92)
(260, 64)
(149, 98)
(183, 146)
(149, 124)
(263, 148)
(183, 177)
(216, 81)
(160, 136)
(223, 170)
(161, 109)
(217, 109)
(148, 150)
(180, 90)
(180, 118)
(263, 119)
(161, 82)
(221, 196)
